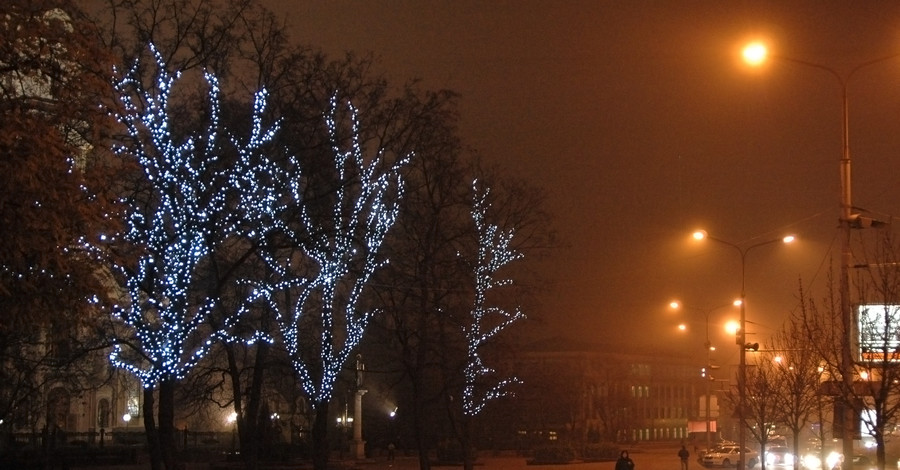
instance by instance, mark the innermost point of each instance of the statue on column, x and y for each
(359, 445)
(360, 369)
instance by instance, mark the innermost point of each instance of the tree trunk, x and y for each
(419, 425)
(465, 442)
(463, 430)
(795, 446)
(153, 445)
(880, 457)
(320, 437)
(256, 421)
(417, 374)
(237, 395)
(167, 423)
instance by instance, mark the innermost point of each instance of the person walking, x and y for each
(624, 462)
(684, 455)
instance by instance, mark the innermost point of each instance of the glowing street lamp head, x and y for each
(789, 239)
(733, 327)
(700, 234)
(675, 305)
(755, 53)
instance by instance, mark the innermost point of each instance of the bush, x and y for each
(601, 451)
(554, 454)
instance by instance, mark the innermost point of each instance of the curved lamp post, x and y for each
(741, 337)
(676, 305)
(756, 54)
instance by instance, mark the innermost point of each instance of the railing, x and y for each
(184, 438)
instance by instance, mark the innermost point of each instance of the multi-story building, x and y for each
(589, 395)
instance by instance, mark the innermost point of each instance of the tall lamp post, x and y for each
(676, 305)
(756, 54)
(741, 337)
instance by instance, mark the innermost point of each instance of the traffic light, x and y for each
(752, 346)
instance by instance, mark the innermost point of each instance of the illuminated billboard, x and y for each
(879, 332)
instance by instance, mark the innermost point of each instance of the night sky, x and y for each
(642, 124)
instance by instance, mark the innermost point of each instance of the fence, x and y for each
(184, 438)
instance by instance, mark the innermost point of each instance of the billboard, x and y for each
(878, 326)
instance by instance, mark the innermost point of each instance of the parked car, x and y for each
(779, 455)
(728, 456)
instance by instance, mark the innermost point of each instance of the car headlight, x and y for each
(811, 461)
(832, 459)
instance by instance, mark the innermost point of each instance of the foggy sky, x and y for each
(641, 123)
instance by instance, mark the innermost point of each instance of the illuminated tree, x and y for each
(323, 263)
(487, 320)
(494, 252)
(198, 189)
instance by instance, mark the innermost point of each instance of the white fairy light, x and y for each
(345, 251)
(190, 214)
(494, 252)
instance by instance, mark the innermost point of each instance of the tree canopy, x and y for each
(53, 172)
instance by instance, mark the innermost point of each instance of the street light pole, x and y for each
(756, 54)
(741, 338)
(708, 366)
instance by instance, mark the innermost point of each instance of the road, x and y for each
(655, 457)
(646, 457)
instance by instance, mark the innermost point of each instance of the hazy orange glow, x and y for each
(733, 327)
(755, 53)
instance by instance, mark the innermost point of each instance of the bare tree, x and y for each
(55, 171)
(798, 379)
(878, 367)
(870, 391)
(760, 401)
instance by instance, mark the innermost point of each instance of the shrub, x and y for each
(554, 454)
(601, 451)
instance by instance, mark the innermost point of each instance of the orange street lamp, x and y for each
(741, 337)
(755, 54)
(676, 305)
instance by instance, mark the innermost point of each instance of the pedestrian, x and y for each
(684, 454)
(624, 462)
(391, 449)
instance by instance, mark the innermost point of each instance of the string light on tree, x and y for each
(190, 213)
(494, 252)
(343, 252)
